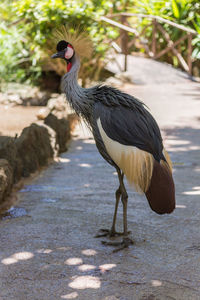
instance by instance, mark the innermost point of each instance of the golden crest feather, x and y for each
(79, 39)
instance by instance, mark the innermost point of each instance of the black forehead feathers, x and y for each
(61, 45)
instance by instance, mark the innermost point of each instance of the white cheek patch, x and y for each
(69, 53)
(136, 164)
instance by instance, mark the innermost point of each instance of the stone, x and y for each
(15, 99)
(3, 98)
(62, 129)
(59, 106)
(6, 179)
(34, 148)
(73, 120)
(43, 113)
(8, 151)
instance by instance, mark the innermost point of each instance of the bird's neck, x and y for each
(76, 95)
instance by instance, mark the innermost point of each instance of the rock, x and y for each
(17, 94)
(14, 99)
(59, 106)
(3, 98)
(62, 129)
(34, 147)
(41, 98)
(55, 95)
(8, 151)
(43, 113)
(73, 120)
(6, 179)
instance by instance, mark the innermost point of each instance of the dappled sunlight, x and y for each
(9, 261)
(89, 141)
(80, 275)
(73, 261)
(87, 185)
(156, 283)
(84, 268)
(23, 255)
(182, 139)
(180, 206)
(89, 252)
(106, 267)
(44, 251)
(64, 160)
(79, 148)
(84, 165)
(182, 148)
(88, 280)
(17, 257)
(178, 142)
(192, 193)
(195, 191)
(73, 295)
(85, 282)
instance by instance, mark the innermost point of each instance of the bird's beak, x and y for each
(60, 54)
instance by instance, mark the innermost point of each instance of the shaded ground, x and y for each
(51, 252)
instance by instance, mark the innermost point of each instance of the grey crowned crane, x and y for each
(126, 134)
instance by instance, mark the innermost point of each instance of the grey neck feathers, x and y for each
(76, 95)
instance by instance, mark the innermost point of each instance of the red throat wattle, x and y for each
(69, 65)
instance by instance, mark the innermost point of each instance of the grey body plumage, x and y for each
(128, 138)
(114, 107)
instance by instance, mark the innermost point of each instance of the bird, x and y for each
(125, 132)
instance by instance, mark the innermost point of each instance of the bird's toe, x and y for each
(110, 233)
(125, 243)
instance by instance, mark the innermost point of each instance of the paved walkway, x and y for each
(50, 253)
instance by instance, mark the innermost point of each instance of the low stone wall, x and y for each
(37, 145)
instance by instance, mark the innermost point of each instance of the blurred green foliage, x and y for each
(185, 12)
(26, 27)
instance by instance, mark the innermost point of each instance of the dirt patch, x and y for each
(14, 119)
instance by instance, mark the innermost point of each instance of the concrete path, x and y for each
(49, 252)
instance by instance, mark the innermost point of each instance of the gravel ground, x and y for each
(49, 251)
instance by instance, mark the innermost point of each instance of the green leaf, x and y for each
(175, 9)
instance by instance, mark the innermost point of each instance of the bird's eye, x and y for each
(69, 52)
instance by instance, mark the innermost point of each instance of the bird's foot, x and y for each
(109, 233)
(125, 243)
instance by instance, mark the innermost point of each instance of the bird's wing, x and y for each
(131, 127)
(132, 139)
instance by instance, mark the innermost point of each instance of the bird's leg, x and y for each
(117, 195)
(112, 232)
(121, 191)
(124, 198)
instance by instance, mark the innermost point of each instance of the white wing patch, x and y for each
(136, 164)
